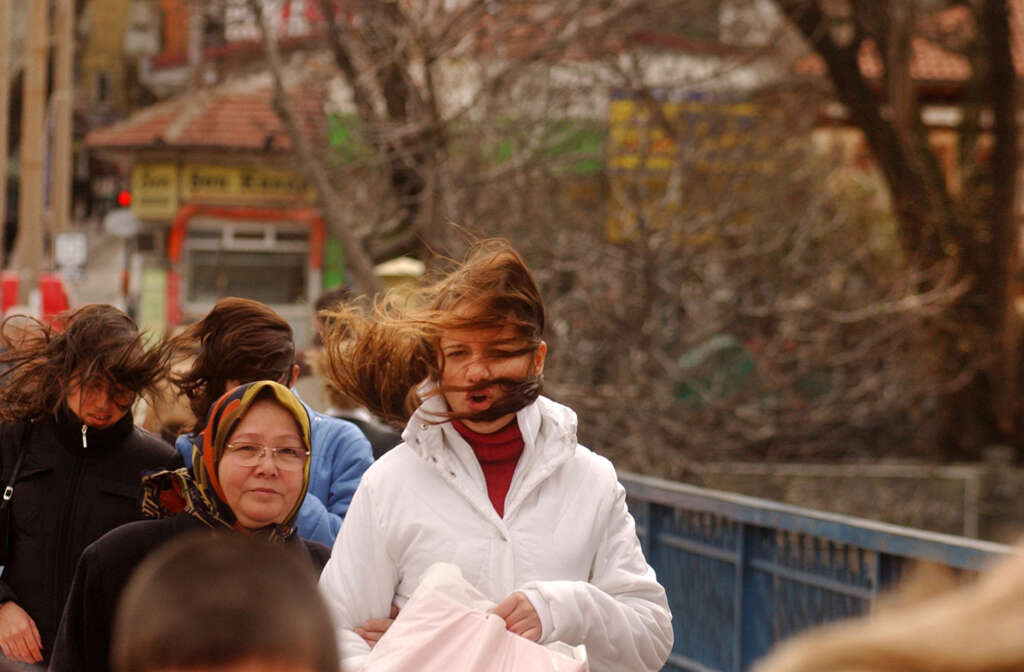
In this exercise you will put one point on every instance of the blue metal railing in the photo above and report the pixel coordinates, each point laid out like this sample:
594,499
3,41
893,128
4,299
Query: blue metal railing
743,573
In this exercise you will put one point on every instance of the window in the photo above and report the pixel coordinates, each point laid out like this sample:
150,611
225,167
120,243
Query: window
270,277
267,262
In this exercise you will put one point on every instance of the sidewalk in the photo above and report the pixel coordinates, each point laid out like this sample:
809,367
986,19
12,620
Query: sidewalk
101,280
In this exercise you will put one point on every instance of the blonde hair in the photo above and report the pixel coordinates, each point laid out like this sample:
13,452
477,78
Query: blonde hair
379,355
974,628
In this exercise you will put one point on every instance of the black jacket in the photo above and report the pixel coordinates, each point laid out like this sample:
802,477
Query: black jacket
83,642
67,496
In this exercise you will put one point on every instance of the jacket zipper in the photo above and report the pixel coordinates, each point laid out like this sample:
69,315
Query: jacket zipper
85,444
64,532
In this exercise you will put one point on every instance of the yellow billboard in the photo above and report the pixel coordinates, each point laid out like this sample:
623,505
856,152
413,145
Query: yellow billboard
672,157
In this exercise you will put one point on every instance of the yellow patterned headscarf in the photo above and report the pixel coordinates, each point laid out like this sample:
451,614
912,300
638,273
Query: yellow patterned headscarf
224,415
200,493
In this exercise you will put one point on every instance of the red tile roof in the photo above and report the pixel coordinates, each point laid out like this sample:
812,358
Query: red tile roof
932,62
233,116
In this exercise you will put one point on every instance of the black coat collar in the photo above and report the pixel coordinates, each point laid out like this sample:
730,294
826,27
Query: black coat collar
69,432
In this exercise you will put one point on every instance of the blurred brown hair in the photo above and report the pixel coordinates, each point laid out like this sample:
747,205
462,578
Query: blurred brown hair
379,356
94,342
208,599
239,339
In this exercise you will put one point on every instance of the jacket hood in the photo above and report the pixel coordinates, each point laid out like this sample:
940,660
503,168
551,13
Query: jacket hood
548,429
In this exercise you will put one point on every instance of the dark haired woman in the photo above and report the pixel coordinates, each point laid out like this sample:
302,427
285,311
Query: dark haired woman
490,477
65,400
250,475
240,341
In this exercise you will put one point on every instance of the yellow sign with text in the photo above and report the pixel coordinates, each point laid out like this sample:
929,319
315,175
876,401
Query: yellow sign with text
243,185
659,151
154,190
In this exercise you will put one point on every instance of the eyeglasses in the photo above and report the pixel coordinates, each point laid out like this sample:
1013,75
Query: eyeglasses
249,454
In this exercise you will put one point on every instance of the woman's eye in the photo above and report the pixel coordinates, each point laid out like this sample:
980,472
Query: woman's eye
247,449
505,354
291,452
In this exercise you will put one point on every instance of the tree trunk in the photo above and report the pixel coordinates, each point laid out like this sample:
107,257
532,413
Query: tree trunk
330,204
998,270
979,233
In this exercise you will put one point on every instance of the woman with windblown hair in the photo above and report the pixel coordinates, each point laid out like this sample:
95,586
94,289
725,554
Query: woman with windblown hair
250,475
489,477
240,341
69,443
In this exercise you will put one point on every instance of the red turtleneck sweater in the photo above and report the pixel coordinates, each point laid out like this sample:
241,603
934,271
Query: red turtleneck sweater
498,454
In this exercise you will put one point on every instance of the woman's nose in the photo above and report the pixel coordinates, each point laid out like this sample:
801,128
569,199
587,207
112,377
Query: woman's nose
103,399
267,463
477,370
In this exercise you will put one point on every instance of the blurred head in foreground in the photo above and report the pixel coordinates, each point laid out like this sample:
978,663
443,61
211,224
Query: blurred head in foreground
224,603
973,628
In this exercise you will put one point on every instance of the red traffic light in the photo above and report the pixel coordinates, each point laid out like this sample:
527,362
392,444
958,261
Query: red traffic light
124,198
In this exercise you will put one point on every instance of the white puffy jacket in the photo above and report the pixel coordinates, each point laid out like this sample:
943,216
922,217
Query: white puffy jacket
566,540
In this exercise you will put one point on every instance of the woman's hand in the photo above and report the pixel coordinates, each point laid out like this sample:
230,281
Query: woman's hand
520,616
19,637
375,628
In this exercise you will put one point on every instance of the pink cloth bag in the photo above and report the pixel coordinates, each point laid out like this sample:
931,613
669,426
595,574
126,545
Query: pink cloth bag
445,627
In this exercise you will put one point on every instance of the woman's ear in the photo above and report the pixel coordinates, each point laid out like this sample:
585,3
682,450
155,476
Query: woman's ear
295,375
538,358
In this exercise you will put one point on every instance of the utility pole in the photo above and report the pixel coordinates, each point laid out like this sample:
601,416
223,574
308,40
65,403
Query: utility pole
30,201
63,99
5,102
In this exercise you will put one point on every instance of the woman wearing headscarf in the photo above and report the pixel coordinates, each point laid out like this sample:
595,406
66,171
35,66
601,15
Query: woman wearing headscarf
240,341
71,458
250,475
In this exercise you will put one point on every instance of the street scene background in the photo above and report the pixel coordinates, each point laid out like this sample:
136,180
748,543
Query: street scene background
779,241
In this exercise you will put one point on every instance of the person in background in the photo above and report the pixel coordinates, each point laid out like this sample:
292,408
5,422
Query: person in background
490,476
248,607
382,438
70,455
249,477
166,412
240,341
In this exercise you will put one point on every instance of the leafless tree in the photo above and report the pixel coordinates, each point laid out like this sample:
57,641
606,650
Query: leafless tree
762,312
968,222
719,288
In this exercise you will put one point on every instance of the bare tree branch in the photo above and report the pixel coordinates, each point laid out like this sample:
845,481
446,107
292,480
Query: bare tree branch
362,268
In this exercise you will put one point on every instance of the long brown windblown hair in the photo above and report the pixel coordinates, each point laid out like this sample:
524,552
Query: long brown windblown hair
379,356
96,341
239,339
